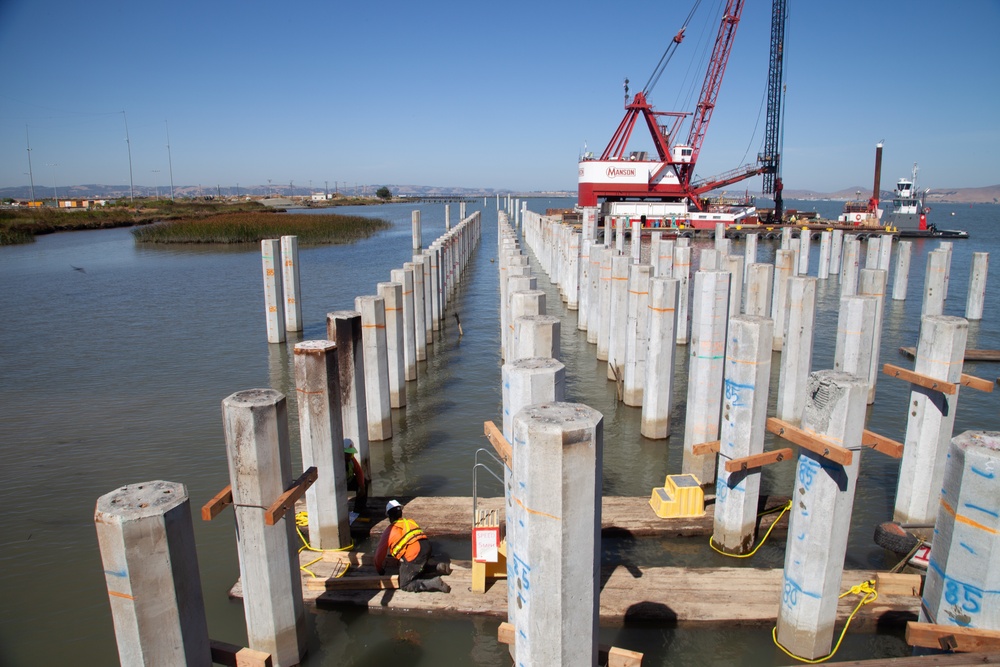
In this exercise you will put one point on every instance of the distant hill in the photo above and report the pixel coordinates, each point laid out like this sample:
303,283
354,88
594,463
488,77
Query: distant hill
987,195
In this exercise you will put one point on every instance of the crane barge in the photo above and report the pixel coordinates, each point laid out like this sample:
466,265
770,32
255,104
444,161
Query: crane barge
661,188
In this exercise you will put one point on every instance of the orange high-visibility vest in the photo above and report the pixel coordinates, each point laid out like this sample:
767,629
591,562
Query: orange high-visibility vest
403,539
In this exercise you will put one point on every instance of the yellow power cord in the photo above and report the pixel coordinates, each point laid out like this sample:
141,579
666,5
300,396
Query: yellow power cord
301,521
870,595
783,509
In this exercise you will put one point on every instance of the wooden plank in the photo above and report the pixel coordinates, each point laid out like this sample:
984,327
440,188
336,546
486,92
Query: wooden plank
811,441
973,382
882,444
354,583
952,637
499,443
970,355
286,501
891,583
612,656
939,660
211,509
232,655
704,448
919,379
758,460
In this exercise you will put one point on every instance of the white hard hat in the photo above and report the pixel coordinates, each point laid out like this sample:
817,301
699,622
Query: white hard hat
389,505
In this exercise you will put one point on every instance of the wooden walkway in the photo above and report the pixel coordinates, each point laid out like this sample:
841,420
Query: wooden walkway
666,595
624,516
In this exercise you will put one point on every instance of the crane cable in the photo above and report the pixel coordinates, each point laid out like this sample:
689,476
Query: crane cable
668,53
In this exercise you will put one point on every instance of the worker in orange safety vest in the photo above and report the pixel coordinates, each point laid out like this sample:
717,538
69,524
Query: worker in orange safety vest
406,542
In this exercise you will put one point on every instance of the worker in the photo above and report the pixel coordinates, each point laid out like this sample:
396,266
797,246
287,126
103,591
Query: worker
404,541
355,478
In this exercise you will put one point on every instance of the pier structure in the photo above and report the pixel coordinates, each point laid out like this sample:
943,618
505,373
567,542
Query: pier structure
976,299
290,282
873,283
423,263
850,266
420,328
757,301
784,268
741,435
901,279
947,247
836,251
374,349
617,316
416,232
734,264
636,333
682,271
604,304
404,277
855,330
317,383
930,419
536,336
824,500
524,303
796,355
583,285
803,258
962,588
344,328
147,547
825,240
257,448
935,290
274,303
873,249
392,295
885,252
749,253
657,394
706,356
518,281
557,453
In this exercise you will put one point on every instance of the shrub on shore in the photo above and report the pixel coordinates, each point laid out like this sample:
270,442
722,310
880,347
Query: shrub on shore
252,227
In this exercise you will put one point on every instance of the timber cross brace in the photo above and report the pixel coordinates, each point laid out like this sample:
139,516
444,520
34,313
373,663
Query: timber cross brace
285,502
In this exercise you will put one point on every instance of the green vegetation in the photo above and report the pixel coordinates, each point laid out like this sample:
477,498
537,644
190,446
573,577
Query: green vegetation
21,225
252,227
384,193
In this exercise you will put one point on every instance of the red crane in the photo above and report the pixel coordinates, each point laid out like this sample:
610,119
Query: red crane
621,176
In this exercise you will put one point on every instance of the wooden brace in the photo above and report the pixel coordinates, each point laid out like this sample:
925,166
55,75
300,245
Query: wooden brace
758,460
813,442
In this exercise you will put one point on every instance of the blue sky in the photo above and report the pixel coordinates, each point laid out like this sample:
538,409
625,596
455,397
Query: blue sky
491,95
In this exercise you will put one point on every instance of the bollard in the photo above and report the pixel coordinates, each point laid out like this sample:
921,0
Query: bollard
747,380
274,306
657,399
290,282
554,564
930,419
392,294
977,286
709,316
636,334
963,579
147,545
784,268
901,280
796,354
317,384
820,519
374,349
256,427
536,336
405,278
344,328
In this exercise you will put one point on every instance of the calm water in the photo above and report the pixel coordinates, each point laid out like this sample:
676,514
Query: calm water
116,375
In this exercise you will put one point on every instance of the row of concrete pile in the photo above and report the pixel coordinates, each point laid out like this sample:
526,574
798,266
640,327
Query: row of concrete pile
346,386
741,311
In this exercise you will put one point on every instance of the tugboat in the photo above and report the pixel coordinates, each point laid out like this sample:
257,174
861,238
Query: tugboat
908,211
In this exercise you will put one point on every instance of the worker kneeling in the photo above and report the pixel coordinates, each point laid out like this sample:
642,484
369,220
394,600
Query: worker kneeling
404,541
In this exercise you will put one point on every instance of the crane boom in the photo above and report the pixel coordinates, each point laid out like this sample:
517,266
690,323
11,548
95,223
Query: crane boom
770,159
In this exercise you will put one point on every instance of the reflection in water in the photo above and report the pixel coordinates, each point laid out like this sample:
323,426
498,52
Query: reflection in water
116,376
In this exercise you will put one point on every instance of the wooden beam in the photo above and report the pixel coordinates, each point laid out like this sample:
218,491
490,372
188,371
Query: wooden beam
612,656
952,637
286,501
882,444
891,583
972,382
704,448
499,443
238,656
970,354
355,583
811,441
919,379
211,509
758,460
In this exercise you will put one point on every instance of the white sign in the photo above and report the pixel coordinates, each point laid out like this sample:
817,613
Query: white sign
486,544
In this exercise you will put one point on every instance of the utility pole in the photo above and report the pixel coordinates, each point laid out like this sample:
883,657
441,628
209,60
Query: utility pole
128,144
170,164
31,176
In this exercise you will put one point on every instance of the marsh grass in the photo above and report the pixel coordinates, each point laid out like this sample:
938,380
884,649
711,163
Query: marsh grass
252,227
